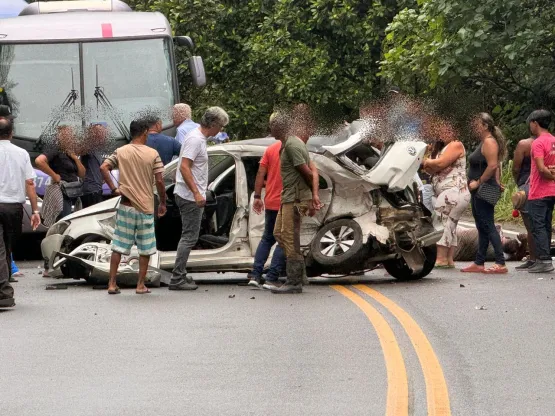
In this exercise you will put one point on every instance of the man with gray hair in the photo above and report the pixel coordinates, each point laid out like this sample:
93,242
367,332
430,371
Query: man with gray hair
190,190
182,120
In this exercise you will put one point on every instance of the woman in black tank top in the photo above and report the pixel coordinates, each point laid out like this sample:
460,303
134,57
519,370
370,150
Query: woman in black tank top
522,164
484,168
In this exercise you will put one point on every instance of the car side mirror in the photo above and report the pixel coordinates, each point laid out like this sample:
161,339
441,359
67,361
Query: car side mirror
185,41
196,67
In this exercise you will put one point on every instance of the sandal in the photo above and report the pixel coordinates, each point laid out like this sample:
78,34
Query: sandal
444,266
473,268
496,269
115,291
143,292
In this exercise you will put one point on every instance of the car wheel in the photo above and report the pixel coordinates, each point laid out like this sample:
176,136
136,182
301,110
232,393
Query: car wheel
337,242
399,270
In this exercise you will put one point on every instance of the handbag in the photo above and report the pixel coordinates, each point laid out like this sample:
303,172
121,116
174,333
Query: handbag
489,193
72,190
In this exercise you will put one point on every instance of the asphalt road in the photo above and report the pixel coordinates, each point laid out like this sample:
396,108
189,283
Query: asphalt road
361,347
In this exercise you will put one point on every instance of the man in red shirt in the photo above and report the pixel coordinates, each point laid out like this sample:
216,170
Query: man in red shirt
541,197
270,170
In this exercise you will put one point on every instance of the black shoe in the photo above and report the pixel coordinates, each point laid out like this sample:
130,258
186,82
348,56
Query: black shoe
526,265
541,268
255,281
183,285
288,288
7,303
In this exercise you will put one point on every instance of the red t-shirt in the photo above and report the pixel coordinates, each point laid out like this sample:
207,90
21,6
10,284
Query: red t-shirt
544,147
270,160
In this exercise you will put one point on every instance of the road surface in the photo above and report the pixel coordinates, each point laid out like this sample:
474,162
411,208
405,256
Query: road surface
449,344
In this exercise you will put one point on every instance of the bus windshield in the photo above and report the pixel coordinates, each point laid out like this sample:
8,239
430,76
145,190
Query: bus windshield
133,76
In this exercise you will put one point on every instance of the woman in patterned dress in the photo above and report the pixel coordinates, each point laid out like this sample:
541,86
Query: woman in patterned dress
447,166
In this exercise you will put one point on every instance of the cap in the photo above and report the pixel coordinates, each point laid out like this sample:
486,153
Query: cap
6,112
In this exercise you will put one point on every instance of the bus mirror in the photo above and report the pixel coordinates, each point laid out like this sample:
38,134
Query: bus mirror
196,67
185,41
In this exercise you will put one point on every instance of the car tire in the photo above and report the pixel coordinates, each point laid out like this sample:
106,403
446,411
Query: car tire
337,242
399,270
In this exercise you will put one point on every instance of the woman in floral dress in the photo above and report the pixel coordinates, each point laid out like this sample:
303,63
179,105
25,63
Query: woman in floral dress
447,166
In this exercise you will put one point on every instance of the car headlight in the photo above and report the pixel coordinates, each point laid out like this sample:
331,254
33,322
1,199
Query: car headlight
58,228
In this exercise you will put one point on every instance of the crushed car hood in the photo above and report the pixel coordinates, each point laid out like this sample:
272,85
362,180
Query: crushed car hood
108,205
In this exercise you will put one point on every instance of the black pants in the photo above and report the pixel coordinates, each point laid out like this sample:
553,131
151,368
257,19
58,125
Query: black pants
11,216
485,223
541,214
91,199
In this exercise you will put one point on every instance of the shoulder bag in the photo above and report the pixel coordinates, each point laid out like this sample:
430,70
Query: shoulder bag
72,190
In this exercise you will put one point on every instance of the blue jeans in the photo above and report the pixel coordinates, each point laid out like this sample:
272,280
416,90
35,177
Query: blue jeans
482,212
14,267
541,214
263,251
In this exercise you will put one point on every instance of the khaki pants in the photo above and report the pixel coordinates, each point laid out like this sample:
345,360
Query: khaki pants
287,233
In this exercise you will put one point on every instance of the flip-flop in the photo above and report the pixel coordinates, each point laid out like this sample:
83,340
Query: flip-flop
497,269
115,291
443,266
143,292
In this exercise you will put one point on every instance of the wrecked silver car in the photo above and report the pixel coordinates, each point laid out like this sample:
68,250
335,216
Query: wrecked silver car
371,216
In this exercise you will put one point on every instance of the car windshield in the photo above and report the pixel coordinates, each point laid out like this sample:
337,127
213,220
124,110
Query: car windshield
133,76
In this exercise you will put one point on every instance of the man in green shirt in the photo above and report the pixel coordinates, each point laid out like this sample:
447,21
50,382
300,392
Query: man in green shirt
299,198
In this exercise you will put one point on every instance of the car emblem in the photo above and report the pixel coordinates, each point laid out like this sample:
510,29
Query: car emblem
411,150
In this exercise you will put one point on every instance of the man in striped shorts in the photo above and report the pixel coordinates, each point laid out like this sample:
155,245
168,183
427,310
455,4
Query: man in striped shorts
139,165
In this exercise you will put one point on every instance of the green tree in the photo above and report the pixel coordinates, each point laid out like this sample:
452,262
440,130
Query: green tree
501,50
263,53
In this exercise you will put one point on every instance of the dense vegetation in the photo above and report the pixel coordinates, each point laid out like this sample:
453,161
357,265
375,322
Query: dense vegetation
492,55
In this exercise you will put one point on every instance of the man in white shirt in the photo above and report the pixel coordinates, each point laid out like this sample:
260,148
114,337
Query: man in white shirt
182,120
190,190
17,182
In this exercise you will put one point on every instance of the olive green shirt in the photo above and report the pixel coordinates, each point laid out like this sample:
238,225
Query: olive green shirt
294,153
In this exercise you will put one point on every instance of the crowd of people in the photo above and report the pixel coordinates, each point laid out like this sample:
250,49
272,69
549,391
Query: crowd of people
454,188
286,189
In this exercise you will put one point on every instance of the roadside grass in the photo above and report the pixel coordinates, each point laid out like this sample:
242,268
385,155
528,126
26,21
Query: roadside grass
504,208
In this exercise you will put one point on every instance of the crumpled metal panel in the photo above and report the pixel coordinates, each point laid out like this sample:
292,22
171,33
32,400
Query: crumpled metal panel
95,258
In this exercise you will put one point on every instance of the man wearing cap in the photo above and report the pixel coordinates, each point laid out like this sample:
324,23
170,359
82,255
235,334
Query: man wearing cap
17,182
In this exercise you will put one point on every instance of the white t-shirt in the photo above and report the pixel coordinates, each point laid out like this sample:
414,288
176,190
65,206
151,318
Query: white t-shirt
193,148
15,169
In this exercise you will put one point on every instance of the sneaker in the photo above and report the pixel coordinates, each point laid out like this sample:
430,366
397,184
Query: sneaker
526,265
7,303
183,285
288,288
272,284
541,268
256,281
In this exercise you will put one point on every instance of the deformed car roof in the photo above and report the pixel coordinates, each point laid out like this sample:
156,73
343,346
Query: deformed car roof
315,143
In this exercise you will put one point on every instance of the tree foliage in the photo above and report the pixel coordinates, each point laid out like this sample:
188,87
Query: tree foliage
262,53
501,49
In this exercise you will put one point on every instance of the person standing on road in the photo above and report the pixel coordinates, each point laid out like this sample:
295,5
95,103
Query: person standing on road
270,170
299,198
139,165
447,168
541,198
190,191
18,182
166,146
182,120
484,171
62,164
97,135
522,165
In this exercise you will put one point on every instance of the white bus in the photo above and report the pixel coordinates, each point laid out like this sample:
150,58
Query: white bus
97,59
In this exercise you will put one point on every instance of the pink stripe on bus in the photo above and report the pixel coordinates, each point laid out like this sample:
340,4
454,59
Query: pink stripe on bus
107,30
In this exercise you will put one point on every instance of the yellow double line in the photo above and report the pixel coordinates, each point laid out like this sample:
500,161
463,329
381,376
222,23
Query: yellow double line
397,386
